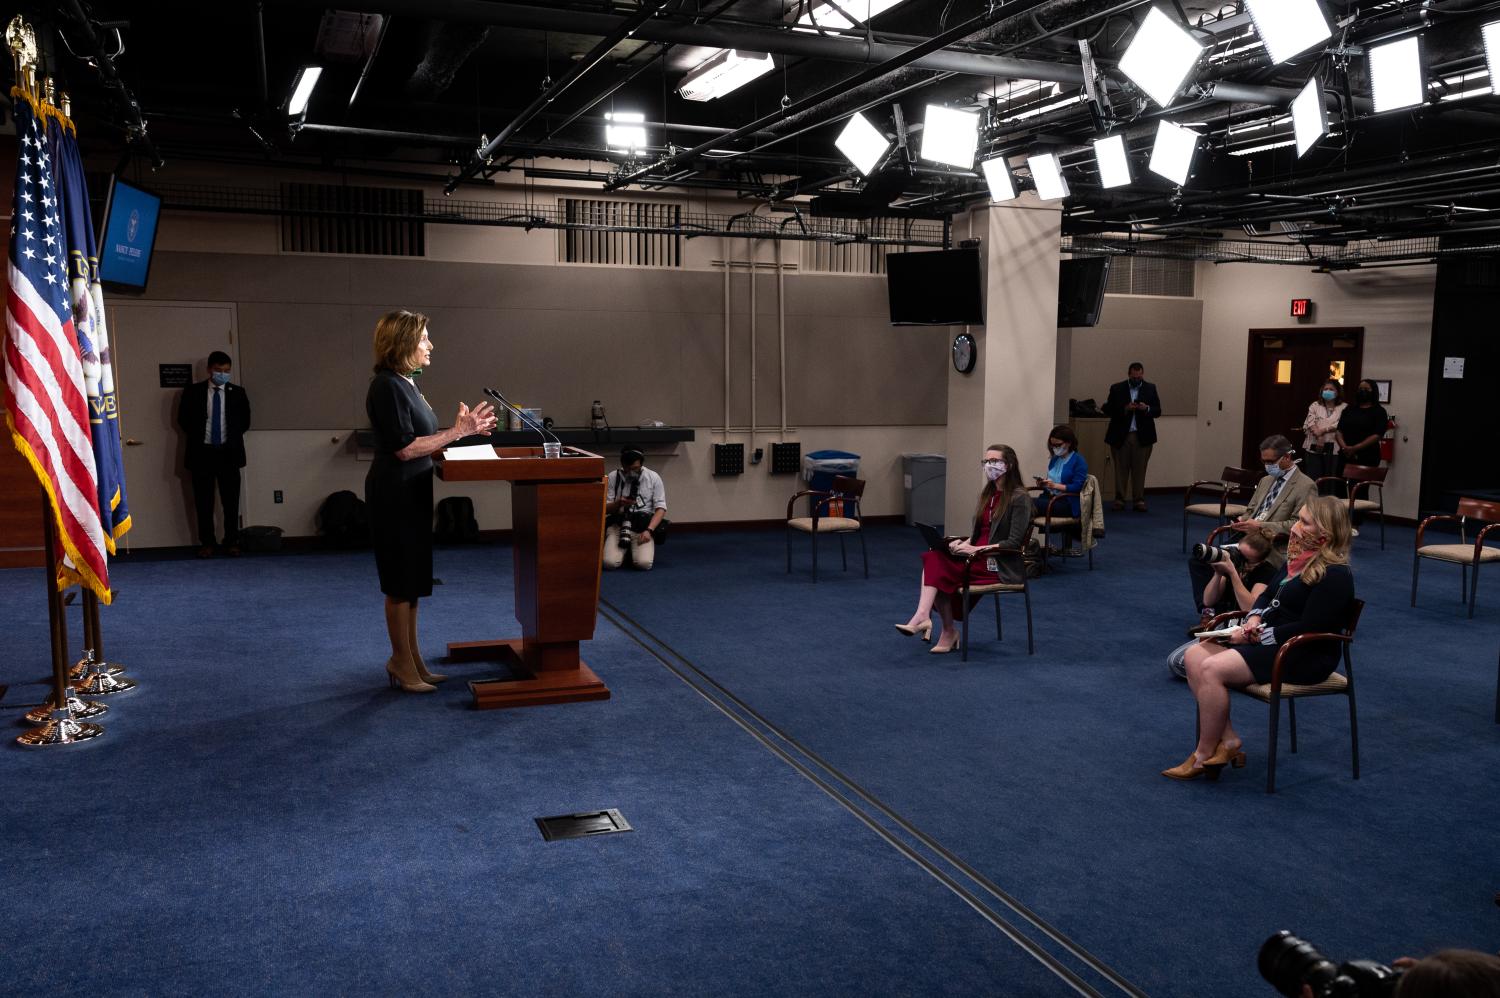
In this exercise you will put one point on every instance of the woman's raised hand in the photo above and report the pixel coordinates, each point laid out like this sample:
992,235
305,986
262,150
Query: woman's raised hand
480,419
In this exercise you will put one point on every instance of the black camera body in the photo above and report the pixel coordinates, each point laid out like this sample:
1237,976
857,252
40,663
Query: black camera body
1209,554
1288,963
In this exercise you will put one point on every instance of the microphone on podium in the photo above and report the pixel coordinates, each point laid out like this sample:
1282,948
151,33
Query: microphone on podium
552,448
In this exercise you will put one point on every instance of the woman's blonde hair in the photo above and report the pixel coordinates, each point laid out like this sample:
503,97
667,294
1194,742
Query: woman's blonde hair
1331,514
396,337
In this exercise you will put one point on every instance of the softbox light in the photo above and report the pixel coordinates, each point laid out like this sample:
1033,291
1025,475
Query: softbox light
1046,173
1172,153
1396,79
1288,27
862,144
950,136
1309,115
1160,57
1114,162
997,176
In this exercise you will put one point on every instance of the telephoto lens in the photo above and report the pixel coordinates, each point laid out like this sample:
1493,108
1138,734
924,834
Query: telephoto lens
626,533
1209,554
1288,963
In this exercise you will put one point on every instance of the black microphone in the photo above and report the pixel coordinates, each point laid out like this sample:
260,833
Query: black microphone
525,419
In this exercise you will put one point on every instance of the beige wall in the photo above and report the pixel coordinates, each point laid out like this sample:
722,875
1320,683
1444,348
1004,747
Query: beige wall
1394,306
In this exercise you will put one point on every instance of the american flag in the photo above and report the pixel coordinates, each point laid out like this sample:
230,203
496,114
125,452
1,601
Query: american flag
47,408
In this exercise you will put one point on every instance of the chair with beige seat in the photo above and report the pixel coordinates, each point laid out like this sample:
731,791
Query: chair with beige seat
1359,478
1086,528
831,511
1233,483
1468,557
1015,560
1272,693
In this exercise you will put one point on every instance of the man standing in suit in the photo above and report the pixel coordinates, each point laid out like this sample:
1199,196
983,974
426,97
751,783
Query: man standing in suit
1275,504
214,416
1132,408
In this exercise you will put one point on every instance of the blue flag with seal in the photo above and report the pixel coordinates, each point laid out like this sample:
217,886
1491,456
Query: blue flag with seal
87,297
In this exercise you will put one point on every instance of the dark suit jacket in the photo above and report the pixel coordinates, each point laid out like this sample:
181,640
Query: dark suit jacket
1319,608
1119,416
192,416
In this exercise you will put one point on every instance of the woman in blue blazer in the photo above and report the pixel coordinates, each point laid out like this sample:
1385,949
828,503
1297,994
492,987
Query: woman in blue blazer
1066,470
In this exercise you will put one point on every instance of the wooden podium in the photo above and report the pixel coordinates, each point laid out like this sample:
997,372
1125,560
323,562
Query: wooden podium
558,528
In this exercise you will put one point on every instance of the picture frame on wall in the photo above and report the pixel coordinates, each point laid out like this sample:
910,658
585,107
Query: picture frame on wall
1382,390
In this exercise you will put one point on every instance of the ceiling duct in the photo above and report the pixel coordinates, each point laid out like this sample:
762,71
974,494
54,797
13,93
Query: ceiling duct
346,36
448,48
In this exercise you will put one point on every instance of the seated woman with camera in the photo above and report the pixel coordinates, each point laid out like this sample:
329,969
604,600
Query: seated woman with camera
635,513
1312,595
1239,574
1000,520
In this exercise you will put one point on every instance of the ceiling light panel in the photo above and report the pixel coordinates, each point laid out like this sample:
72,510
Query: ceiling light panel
307,78
950,136
1160,57
1396,75
625,131
723,72
1046,173
1114,162
823,15
997,176
1172,152
1309,115
862,144
1289,27
1491,34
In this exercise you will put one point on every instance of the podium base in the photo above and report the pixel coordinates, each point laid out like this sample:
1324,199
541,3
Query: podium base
534,689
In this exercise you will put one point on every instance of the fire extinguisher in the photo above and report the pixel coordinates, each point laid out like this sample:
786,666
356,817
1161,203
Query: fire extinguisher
1388,442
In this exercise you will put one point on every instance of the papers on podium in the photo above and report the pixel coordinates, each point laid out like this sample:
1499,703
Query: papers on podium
474,452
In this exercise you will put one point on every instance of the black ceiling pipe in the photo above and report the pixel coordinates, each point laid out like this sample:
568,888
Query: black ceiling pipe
625,29
103,61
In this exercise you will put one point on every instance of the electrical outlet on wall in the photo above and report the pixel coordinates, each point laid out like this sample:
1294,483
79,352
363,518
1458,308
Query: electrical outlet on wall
276,496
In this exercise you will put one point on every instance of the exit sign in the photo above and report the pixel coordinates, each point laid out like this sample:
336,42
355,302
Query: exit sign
1301,308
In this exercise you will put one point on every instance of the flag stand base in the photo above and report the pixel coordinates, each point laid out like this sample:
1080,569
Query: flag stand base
60,729
78,708
98,683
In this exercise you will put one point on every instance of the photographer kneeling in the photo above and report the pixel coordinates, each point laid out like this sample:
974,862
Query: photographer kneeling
1239,574
635,511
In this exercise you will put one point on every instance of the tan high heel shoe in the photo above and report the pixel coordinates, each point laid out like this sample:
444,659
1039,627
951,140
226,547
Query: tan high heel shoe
407,683
424,675
1191,769
939,650
924,629
1224,756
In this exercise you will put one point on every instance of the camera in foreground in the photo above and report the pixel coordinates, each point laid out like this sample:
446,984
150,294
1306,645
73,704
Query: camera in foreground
1209,555
627,533
1288,963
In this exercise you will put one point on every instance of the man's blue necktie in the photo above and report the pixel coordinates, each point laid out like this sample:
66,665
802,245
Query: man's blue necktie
214,437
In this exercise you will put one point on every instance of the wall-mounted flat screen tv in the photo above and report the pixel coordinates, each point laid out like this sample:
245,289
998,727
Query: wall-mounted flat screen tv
1080,290
936,288
130,217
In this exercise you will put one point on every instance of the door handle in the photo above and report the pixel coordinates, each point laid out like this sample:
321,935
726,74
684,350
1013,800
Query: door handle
132,442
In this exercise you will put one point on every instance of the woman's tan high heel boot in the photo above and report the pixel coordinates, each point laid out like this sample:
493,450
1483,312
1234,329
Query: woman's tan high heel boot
407,679
423,674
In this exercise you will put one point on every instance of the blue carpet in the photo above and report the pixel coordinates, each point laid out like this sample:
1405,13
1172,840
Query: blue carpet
264,816
1043,771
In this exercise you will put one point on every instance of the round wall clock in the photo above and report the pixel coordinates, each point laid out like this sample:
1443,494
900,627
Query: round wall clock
965,353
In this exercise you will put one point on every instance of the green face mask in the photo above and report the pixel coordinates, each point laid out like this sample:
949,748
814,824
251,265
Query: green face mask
416,372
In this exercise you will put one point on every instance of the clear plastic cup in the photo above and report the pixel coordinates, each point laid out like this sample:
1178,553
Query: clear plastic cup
551,449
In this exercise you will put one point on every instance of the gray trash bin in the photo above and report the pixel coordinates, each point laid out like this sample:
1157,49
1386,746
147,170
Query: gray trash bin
924,482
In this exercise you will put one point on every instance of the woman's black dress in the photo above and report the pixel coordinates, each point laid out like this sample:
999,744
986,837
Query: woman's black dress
1356,424
1317,609
398,493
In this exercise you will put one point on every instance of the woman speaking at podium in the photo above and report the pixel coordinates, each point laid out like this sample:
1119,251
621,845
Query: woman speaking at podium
398,487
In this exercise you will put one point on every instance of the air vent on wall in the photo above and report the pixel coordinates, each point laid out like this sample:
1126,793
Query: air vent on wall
338,218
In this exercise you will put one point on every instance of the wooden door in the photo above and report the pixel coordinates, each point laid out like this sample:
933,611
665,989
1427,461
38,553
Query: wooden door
145,336
1284,372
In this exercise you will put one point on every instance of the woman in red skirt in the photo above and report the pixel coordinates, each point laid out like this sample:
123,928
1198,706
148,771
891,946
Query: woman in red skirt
1001,517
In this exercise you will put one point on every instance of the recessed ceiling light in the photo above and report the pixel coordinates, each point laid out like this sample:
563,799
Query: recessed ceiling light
1160,57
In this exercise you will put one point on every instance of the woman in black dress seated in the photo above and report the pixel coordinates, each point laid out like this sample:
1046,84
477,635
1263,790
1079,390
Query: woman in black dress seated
1000,518
398,487
1312,596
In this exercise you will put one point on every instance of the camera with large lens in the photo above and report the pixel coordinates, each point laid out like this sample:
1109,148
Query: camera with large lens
1209,554
627,533
1288,963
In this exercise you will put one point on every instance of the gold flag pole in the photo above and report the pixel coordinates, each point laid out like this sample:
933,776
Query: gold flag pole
21,39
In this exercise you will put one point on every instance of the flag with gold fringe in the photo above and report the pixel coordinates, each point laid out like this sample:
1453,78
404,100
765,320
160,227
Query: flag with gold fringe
87,297
47,409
